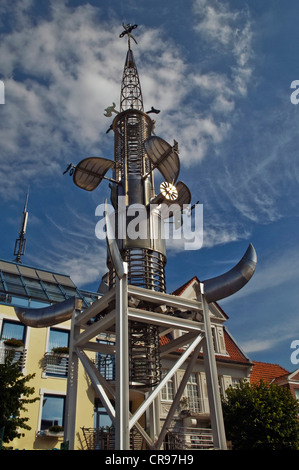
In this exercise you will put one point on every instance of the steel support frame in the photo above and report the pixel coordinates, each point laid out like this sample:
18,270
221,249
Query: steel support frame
210,366
195,334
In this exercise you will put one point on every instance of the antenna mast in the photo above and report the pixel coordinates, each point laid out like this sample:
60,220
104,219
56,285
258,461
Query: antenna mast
20,243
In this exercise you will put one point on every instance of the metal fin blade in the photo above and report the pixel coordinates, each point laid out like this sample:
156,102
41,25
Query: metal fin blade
90,172
163,157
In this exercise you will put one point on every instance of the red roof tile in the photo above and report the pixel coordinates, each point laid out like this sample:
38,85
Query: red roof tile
266,371
235,354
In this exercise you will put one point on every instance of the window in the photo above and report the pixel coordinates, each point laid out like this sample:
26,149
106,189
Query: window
192,394
235,382
167,393
52,411
215,339
56,362
101,417
58,338
12,329
297,393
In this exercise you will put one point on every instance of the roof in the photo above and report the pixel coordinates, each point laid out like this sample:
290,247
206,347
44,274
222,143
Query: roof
266,371
28,286
180,290
234,352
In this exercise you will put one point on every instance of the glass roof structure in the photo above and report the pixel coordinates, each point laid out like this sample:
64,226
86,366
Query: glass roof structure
28,286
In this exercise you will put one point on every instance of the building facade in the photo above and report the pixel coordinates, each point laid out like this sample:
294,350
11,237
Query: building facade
42,351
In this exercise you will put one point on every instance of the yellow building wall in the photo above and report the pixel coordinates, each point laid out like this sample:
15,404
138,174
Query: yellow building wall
36,346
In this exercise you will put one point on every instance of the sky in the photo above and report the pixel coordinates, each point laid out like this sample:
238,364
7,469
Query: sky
221,74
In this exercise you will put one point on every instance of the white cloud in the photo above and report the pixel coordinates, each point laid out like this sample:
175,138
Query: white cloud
216,21
230,32
270,338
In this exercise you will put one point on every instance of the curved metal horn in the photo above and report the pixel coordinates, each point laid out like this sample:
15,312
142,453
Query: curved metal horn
230,282
46,316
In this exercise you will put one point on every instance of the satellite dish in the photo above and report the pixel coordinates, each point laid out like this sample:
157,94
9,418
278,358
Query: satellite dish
89,172
164,157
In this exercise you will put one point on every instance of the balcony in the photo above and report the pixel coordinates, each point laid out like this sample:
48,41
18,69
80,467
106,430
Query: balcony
184,438
103,438
55,364
16,351
179,438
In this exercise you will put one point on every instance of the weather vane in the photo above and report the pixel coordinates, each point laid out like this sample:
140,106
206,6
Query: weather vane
128,30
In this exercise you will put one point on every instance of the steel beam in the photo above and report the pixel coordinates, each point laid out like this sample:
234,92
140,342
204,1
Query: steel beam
144,316
160,298
72,386
178,395
97,307
99,326
97,382
143,407
177,343
122,430
210,366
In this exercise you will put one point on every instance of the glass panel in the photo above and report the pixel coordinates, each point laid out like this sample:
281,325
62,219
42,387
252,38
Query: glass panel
101,417
193,394
58,338
70,292
53,411
1,286
53,291
20,301
34,288
167,392
14,284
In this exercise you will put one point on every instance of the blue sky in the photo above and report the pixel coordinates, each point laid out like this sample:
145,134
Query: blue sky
221,74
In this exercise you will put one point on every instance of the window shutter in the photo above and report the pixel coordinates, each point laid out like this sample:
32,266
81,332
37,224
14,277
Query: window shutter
204,392
221,340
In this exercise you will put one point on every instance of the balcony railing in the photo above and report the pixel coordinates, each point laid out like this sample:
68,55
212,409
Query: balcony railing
103,438
105,363
17,355
176,439
184,438
55,364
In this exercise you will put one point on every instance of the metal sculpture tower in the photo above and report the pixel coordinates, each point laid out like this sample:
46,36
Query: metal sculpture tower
136,309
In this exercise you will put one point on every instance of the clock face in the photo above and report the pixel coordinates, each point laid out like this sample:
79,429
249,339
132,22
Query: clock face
169,191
